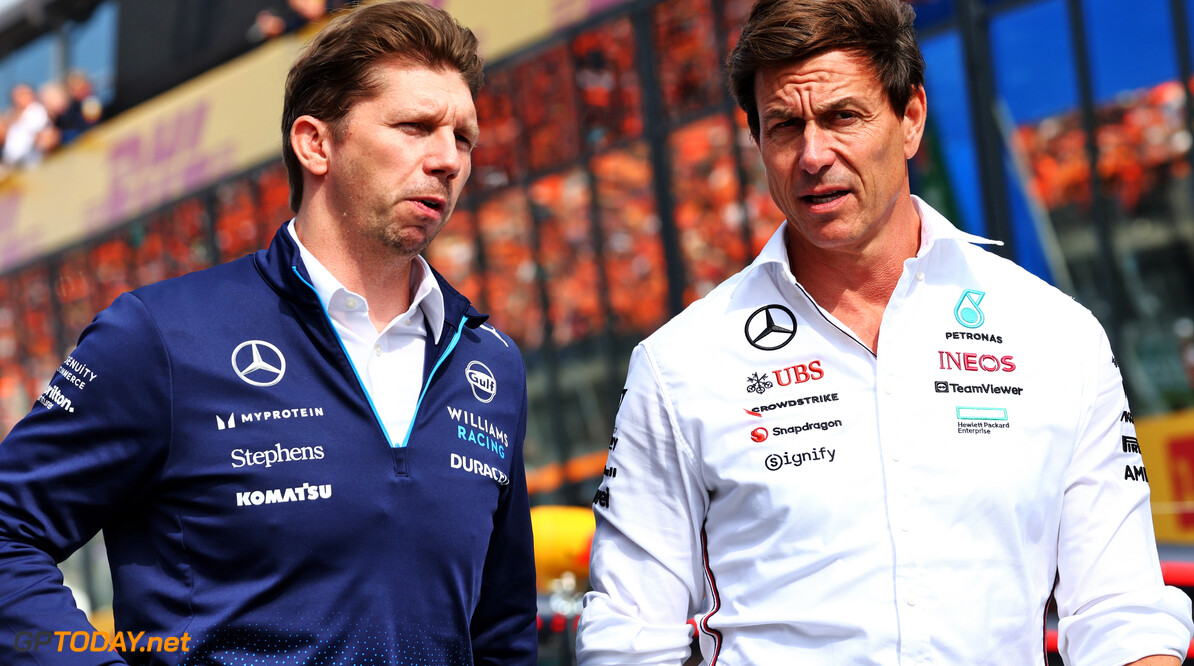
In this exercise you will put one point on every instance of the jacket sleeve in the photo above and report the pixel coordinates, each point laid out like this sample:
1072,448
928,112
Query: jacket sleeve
504,630
90,446
1112,603
646,563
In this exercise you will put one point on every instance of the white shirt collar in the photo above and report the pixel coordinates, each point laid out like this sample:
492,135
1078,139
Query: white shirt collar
933,228
428,297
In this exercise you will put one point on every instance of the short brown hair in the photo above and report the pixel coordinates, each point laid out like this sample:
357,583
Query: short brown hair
783,32
337,68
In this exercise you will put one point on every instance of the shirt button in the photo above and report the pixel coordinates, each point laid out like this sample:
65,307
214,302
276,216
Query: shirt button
910,600
895,457
350,303
377,349
920,276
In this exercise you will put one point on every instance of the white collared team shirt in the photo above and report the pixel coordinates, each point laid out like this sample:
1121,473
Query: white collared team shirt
809,502
389,363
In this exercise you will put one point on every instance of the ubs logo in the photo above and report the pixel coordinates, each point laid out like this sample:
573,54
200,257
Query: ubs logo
481,379
258,362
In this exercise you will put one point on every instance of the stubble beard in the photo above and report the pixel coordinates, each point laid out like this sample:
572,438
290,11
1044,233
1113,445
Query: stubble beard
406,241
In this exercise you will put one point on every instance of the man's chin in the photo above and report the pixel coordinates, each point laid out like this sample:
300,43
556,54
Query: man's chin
409,242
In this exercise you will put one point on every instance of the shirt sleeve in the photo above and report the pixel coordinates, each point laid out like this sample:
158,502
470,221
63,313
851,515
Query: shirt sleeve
91,445
1113,605
504,629
646,562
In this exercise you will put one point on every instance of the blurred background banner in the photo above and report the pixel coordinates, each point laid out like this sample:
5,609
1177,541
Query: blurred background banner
218,124
1167,443
615,183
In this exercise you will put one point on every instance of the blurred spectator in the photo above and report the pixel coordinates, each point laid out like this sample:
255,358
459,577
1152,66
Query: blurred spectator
1183,329
84,110
271,23
54,98
26,119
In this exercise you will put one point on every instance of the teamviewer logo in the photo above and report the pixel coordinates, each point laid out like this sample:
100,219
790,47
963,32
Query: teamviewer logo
941,387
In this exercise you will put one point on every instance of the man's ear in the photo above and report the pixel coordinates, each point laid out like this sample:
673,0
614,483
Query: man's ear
914,122
310,138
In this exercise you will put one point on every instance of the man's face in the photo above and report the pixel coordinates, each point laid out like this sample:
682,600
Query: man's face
834,150
397,168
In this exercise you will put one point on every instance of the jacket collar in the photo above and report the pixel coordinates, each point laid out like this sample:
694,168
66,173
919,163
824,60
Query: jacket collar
282,267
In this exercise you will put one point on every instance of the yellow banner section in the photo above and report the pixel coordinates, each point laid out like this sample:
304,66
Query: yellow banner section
218,124
1167,444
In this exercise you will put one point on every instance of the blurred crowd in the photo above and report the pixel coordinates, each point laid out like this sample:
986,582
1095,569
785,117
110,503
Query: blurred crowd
40,121
1142,141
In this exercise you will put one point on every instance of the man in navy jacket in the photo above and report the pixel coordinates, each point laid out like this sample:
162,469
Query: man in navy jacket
310,455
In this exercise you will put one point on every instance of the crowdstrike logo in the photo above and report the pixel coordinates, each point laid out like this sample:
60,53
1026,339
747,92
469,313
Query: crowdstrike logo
258,362
482,381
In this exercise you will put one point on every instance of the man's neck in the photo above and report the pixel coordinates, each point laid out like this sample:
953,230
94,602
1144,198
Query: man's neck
855,284
363,266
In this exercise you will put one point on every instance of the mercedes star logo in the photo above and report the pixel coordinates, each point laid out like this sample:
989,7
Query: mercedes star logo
258,369
774,329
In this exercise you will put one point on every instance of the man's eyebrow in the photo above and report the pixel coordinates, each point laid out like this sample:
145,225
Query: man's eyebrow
839,104
776,113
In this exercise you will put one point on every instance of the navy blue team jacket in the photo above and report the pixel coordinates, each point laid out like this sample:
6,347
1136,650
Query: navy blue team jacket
214,428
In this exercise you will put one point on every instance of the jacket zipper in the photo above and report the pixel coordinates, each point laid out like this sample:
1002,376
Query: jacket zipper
368,398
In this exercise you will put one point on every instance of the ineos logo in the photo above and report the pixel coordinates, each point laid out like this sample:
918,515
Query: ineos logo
482,381
770,327
256,368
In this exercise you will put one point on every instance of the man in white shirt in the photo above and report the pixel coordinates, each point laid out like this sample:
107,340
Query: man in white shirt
861,449
28,119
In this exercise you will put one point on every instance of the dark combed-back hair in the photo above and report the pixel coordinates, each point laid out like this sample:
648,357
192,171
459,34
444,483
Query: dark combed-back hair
338,67
784,32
